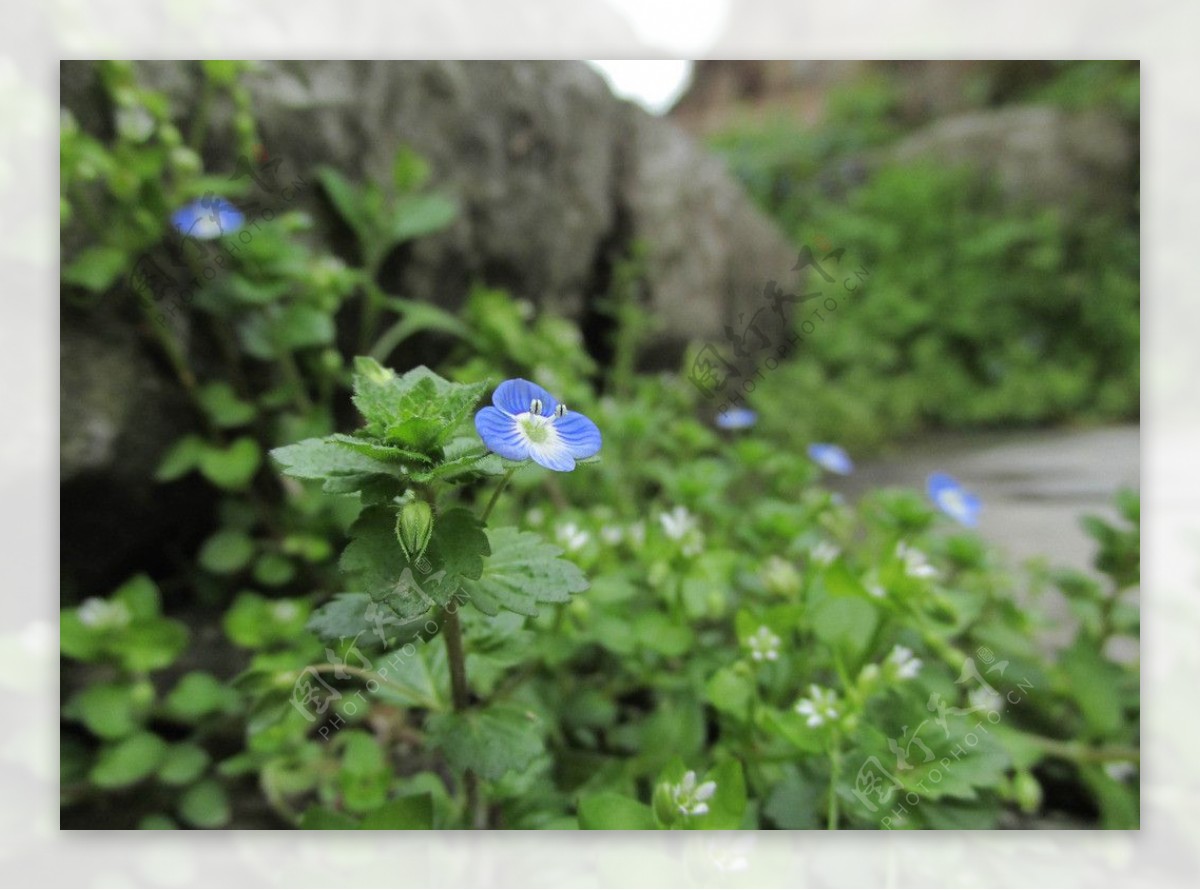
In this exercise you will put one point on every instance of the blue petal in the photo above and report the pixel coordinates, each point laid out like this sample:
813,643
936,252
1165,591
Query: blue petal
954,500
500,434
516,395
579,434
207,218
559,459
939,483
737,419
832,457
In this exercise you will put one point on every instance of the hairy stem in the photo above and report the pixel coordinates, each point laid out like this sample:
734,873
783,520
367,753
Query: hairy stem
487,511
460,694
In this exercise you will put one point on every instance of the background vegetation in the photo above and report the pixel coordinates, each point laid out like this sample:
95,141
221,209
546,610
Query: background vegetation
728,585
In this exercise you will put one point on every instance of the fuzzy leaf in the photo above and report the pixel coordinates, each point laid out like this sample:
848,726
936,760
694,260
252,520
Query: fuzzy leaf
375,558
491,742
522,571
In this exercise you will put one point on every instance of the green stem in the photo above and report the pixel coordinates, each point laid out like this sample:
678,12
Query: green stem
1078,752
835,773
487,511
460,694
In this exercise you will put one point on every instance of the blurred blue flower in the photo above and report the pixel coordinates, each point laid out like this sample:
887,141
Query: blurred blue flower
832,457
954,500
737,419
207,218
529,423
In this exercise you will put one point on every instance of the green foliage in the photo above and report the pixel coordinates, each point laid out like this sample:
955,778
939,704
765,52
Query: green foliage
567,655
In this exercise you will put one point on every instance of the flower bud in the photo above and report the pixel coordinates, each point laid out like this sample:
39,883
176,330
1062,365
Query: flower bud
414,528
1027,791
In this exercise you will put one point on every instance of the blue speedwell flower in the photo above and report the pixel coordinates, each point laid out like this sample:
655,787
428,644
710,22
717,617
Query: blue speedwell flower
737,419
832,457
207,218
954,500
527,422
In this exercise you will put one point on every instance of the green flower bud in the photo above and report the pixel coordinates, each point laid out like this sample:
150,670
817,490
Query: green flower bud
414,528
1027,791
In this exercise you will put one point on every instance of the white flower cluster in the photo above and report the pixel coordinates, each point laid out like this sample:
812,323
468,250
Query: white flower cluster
680,525
763,644
571,536
916,565
906,664
820,707
692,799
824,553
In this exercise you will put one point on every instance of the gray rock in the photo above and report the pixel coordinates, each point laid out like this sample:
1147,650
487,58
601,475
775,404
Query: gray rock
1076,162
557,179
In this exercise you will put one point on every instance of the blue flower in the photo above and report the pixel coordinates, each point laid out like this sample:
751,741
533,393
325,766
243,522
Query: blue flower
527,422
737,419
954,500
832,457
207,218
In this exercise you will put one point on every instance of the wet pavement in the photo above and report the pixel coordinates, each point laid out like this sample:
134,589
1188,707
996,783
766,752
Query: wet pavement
1034,486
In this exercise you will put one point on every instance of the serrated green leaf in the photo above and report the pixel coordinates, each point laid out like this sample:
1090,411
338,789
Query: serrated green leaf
523,571
344,469
388,454
356,615
376,560
419,411
491,742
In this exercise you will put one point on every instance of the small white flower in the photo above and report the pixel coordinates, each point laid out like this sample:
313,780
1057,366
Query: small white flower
871,583
763,644
985,698
100,613
135,123
637,533
285,610
678,523
612,534
780,577
916,565
692,799
820,706
824,553
535,516
572,537
907,665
